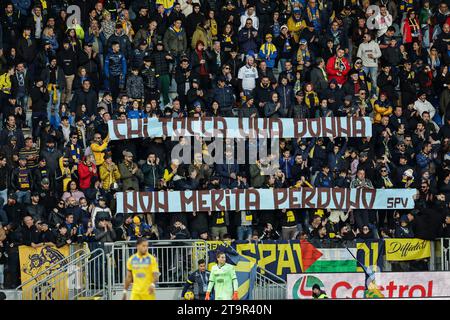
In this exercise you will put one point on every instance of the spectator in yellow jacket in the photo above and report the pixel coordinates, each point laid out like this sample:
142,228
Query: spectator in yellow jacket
382,107
296,24
109,172
98,148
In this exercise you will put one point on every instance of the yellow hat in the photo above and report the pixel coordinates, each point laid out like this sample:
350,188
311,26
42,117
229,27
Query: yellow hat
136,220
268,36
319,212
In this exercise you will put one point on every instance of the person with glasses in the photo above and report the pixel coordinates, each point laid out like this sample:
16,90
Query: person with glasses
99,148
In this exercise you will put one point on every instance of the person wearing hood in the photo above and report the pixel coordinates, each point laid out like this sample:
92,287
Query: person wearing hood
249,14
122,39
285,45
403,230
317,293
162,59
334,95
296,24
366,233
353,84
202,33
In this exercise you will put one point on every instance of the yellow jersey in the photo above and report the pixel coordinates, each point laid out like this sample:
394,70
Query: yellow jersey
142,268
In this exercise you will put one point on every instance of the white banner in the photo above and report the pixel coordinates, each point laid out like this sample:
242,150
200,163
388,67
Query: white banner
352,285
219,127
264,199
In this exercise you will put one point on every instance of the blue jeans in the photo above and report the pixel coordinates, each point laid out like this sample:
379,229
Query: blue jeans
4,195
23,196
244,232
51,105
373,71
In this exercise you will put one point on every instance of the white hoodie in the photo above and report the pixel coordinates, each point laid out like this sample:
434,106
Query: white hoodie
421,107
254,18
365,49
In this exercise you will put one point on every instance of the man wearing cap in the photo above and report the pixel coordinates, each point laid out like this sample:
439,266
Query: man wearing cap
284,43
268,52
141,51
122,39
224,95
248,109
130,172
296,24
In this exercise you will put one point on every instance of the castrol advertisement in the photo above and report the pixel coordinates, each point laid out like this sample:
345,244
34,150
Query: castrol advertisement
353,285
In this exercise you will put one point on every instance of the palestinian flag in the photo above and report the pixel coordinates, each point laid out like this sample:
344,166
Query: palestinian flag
334,260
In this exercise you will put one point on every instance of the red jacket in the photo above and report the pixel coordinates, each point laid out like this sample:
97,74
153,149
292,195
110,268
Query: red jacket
407,36
85,175
332,71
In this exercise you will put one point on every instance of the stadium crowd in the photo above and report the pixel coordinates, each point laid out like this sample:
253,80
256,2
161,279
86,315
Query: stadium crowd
64,77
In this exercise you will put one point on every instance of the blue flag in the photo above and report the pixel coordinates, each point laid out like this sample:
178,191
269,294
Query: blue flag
245,269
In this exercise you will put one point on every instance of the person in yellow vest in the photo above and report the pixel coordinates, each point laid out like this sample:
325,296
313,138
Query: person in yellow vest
98,148
317,293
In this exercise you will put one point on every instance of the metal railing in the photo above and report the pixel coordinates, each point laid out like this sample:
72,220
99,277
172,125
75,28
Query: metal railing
268,286
82,278
443,254
22,290
176,259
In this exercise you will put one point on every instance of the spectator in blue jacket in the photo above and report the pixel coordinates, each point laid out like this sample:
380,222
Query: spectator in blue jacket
324,179
268,52
115,70
227,170
224,95
247,38
286,163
